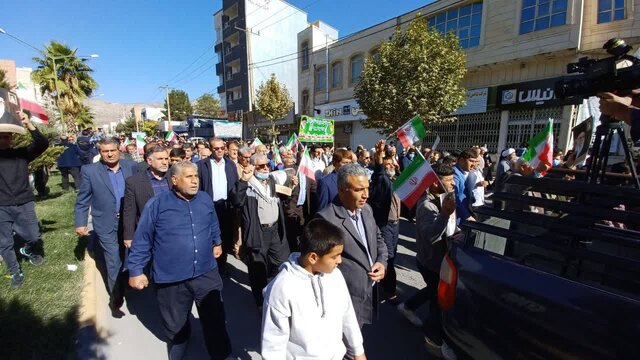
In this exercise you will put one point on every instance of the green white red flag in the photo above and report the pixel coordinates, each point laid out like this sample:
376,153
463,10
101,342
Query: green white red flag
255,143
277,159
292,143
305,165
414,181
541,147
411,132
171,136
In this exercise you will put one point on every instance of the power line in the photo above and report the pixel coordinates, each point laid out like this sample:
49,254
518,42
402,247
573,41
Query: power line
194,61
300,53
207,62
293,13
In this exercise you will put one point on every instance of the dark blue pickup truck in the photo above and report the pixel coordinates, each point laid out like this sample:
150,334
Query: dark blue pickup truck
559,283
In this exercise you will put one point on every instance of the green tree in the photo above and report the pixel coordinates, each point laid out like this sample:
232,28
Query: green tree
73,80
418,72
50,156
84,118
273,102
127,127
4,82
180,105
207,105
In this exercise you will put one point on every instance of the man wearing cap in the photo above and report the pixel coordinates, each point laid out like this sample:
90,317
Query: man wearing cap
504,165
17,203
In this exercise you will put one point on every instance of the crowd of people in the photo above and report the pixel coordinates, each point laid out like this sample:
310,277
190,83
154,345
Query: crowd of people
319,234
163,216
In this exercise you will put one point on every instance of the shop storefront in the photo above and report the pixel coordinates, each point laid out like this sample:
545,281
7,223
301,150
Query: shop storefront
349,130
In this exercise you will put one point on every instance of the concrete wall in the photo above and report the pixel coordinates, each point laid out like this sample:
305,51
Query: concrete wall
273,34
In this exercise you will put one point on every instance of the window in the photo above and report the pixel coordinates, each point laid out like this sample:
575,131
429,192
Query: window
305,55
375,53
336,75
321,78
305,102
610,10
464,21
542,14
355,69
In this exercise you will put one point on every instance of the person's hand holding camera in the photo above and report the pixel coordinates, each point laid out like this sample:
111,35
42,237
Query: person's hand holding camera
619,107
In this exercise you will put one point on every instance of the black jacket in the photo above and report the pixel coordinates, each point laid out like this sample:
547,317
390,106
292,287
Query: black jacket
204,172
251,230
14,170
381,192
137,191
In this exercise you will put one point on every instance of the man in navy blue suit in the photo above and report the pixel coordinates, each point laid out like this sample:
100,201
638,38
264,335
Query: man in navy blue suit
218,175
102,190
328,185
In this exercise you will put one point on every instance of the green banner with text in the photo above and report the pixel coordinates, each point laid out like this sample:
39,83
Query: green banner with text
313,129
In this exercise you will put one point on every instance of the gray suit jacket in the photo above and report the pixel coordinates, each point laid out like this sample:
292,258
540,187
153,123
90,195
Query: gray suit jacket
355,263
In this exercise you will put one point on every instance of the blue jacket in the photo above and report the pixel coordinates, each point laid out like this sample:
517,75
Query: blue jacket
96,192
70,157
463,205
327,191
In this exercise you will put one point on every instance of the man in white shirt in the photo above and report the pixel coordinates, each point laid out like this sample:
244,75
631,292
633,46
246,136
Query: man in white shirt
218,175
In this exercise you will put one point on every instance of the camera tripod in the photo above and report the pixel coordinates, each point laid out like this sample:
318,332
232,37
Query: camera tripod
604,134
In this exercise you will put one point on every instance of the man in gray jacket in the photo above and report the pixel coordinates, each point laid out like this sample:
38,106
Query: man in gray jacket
364,258
435,221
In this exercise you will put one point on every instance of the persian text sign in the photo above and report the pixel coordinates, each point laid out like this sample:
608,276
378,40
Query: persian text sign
313,129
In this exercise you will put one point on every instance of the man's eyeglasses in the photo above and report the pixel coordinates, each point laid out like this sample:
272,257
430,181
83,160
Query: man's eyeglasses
262,166
218,148
246,157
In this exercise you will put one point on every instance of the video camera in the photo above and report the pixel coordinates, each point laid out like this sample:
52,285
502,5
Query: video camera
620,72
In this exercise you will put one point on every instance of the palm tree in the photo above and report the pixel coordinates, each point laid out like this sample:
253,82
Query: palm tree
4,82
71,77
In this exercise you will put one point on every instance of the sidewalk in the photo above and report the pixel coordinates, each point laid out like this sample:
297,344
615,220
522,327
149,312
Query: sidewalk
138,334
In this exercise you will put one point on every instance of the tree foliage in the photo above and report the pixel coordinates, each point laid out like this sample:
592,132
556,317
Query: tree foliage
273,100
50,156
73,80
129,126
418,72
180,105
207,105
4,82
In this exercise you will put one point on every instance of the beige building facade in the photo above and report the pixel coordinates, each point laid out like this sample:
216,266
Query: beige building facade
516,51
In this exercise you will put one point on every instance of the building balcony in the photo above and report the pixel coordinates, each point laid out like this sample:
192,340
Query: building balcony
220,89
218,47
219,68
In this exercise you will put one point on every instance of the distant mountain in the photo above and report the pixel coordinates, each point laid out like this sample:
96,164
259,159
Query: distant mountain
107,112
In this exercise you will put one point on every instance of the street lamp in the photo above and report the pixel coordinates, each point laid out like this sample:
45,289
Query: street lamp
55,70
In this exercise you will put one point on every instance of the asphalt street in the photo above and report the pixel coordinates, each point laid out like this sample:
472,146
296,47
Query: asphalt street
138,334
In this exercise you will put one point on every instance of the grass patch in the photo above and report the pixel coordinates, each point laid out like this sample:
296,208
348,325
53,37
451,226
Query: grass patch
38,320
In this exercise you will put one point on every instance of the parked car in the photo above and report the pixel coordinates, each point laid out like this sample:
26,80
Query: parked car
562,283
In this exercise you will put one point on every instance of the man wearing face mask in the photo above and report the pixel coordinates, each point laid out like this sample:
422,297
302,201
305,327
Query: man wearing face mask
385,204
263,224
408,158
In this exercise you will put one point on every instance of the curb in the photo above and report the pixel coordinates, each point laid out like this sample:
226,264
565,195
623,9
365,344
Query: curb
88,305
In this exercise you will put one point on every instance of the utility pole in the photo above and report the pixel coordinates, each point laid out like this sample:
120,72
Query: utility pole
166,89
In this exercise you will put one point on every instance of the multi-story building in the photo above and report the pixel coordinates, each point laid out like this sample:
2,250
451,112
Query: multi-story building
516,51
259,32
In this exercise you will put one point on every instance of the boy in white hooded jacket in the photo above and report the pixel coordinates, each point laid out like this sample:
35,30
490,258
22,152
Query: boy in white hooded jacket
307,308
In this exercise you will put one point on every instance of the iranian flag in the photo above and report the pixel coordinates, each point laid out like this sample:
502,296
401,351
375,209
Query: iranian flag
171,136
255,143
305,166
140,143
414,180
277,160
292,143
38,114
411,132
541,147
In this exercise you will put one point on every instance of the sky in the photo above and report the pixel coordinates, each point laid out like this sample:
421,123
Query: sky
144,44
